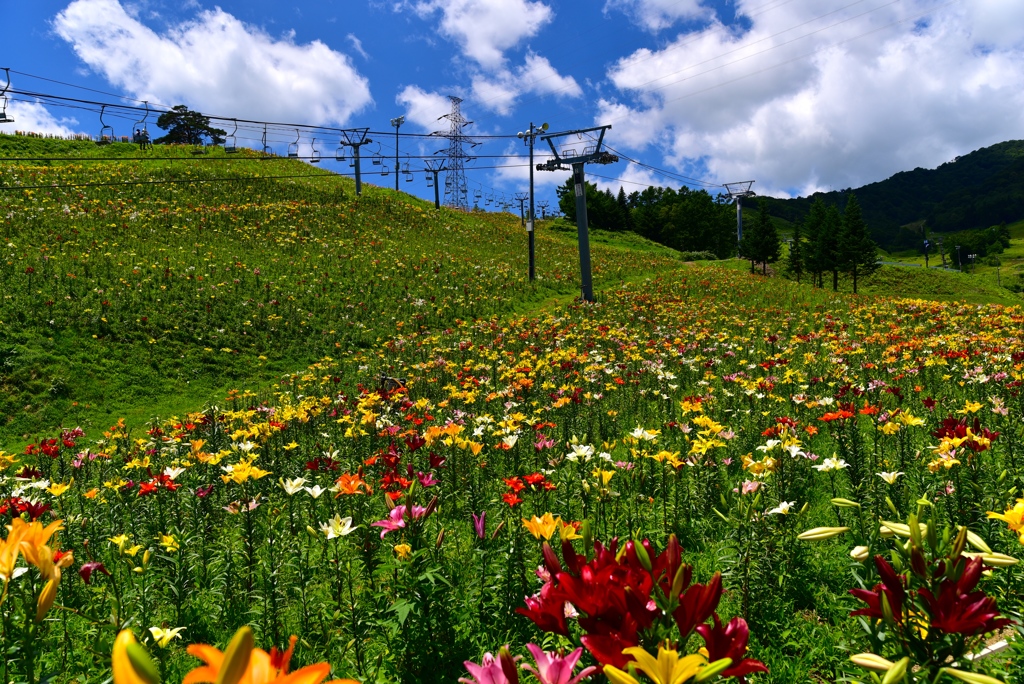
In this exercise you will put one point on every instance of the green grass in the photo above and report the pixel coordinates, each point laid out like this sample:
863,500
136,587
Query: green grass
144,300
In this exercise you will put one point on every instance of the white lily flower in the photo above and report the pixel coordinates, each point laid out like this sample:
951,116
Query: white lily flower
337,527
292,487
890,478
783,508
315,491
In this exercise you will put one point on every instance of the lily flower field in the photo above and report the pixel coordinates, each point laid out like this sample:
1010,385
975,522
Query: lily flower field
393,459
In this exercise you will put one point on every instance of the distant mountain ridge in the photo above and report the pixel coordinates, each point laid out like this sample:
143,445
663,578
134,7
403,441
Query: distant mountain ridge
977,190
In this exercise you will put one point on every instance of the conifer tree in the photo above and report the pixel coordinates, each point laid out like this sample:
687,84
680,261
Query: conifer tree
761,243
827,253
858,253
813,225
795,261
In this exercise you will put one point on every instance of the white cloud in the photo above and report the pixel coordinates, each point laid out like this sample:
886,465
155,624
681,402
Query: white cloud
216,64
33,117
498,91
655,15
424,108
840,101
486,28
357,45
514,170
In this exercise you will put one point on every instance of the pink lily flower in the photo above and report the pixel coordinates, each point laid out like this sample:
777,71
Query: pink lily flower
394,521
553,668
487,672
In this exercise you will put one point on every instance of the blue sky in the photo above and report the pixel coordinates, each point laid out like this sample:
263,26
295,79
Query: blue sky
799,95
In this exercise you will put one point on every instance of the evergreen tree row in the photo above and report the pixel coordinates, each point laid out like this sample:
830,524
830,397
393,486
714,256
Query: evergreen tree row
832,243
684,219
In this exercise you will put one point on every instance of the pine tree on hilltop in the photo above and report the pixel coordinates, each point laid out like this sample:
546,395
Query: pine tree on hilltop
185,127
858,253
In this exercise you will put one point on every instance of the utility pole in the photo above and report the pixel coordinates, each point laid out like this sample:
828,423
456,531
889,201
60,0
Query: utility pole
355,139
529,136
435,167
926,245
543,209
397,122
738,191
568,156
943,253
959,264
521,197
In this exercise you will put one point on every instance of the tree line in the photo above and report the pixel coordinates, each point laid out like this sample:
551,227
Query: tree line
684,219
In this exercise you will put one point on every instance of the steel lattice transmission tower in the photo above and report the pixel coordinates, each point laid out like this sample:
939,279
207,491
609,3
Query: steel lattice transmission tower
456,193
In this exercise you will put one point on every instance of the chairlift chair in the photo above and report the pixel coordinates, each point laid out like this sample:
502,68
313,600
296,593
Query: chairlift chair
231,144
384,170
141,135
314,156
378,158
106,132
339,154
4,116
430,180
293,148
407,172
266,148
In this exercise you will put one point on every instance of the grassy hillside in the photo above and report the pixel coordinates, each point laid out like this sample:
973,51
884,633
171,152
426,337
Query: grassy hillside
142,288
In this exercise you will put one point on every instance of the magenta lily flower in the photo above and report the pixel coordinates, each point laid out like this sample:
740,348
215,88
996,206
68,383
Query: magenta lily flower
487,672
553,668
394,521
427,480
480,524
396,518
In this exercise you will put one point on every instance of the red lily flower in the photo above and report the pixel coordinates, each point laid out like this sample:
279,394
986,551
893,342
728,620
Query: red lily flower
730,642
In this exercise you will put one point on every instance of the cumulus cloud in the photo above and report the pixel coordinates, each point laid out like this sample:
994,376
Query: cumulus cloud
35,118
423,108
848,96
215,63
486,28
498,91
655,15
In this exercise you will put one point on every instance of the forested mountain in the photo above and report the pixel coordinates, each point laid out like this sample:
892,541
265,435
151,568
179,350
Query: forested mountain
978,190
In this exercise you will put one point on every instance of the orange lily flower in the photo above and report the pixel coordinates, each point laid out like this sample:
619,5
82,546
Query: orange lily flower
241,663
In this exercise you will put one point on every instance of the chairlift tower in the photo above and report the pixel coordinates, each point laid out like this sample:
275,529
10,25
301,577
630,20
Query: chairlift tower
4,116
543,209
455,190
737,191
568,157
435,167
521,197
356,138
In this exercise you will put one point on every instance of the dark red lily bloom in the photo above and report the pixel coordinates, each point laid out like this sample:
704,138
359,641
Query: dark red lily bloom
546,610
959,610
88,568
891,587
730,642
697,604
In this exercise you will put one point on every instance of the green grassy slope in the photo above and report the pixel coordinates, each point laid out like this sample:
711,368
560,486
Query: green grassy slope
217,272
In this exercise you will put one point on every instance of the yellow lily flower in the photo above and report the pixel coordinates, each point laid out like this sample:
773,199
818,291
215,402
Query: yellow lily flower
59,488
163,637
541,527
668,668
